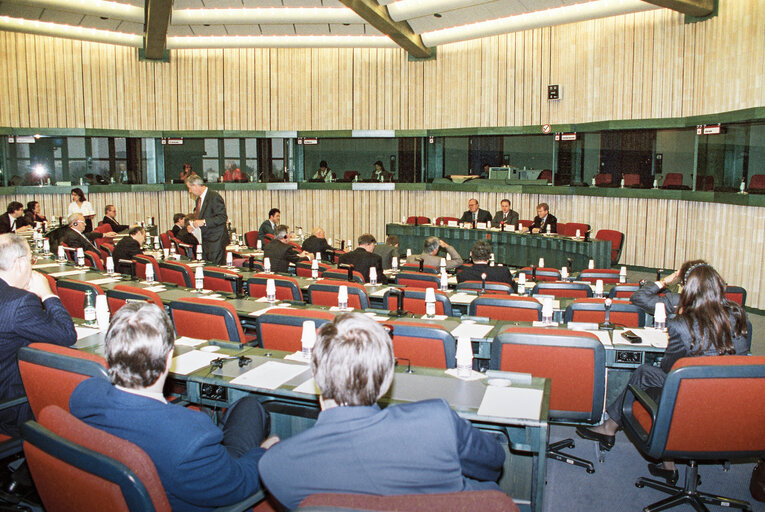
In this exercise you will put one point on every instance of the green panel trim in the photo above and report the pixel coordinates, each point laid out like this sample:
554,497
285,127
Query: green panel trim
142,56
696,19
411,133
324,186
433,53
326,134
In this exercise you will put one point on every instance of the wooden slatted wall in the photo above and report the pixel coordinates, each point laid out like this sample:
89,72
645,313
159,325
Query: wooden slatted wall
637,66
659,233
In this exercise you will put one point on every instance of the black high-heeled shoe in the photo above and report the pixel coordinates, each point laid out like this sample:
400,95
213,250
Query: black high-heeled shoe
659,471
606,442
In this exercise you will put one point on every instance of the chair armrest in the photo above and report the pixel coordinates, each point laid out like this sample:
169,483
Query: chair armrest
245,504
644,400
13,402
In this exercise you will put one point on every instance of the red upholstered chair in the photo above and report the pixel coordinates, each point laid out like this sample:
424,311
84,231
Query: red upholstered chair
545,175
631,180
424,344
728,426
485,501
93,260
575,363
607,275
52,283
542,273
164,239
504,307
705,183
349,175
736,294
525,224
418,280
562,289
176,272
121,293
757,184
251,239
623,290
324,293
616,238
286,287
604,179
282,328
105,247
418,220
103,228
303,268
339,274
141,261
415,267
673,180
623,313
202,318
72,295
51,372
220,279
267,238
490,286
70,252
569,228
414,301
443,221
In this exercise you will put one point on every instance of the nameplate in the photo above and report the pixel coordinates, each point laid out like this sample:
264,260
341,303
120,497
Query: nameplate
452,223
480,225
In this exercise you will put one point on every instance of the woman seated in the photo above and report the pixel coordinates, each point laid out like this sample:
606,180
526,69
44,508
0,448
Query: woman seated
705,324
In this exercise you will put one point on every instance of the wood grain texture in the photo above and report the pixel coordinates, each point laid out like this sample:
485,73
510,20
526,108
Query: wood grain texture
636,66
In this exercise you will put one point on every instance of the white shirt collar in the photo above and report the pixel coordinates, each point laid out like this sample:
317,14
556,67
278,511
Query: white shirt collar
202,197
142,392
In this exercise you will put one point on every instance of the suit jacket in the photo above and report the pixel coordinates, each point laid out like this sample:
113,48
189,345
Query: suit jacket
483,216
125,250
415,448
116,227
387,253
281,255
362,261
648,295
314,244
512,218
197,471
265,229
24,320
496,274
435,261
75,239
214,232
176,230
5,223
550,220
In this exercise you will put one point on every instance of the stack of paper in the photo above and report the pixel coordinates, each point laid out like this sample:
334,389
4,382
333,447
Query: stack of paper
270,375
511,402
472,330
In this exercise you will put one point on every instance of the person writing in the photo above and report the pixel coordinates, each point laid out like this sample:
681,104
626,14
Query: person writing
706,324
324,174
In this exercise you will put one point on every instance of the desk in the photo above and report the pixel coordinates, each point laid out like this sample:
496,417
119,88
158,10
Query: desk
511,248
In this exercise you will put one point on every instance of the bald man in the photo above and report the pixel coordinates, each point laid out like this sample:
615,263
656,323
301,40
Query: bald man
317,242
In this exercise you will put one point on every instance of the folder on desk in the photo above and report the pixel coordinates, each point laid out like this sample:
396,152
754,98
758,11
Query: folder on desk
270,375
511,402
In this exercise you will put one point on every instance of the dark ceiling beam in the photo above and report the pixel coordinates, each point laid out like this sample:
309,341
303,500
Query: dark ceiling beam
698,8
400,31
155,27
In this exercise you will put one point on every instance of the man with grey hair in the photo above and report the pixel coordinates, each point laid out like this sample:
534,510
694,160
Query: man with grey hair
357,447
211,217
75,236
317,242
29,313
281,253
430,257
201,466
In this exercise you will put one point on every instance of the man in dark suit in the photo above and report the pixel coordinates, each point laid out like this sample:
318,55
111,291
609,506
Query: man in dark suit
356,447
201,466
128,247
178,226
363,258
111,219
29,313
480,253
317,242
543,220
269,225
211,217
505,215
475,214
388,251
12,220
186,235
281,253
75,237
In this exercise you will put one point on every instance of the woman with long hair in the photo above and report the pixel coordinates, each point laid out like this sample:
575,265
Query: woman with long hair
705,324
81,205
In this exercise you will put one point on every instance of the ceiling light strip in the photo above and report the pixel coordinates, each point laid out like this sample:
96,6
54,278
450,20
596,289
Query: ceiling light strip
184,42
265,16
546,18
408,9
100,8
67,31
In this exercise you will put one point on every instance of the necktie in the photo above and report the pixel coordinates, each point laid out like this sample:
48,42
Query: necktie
196,208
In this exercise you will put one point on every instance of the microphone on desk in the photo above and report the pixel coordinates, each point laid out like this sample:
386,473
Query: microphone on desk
483,282
408,364
415,220
251,263
422,263
658,274
349,268
607,325
238,284
330,253
570,262
533,273
130,264
399,293
342,245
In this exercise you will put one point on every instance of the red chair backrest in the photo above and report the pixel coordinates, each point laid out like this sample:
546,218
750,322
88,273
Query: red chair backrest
342,275
303,269
117,300
418,219
325,293
141,260
251,239
486,501
416,304
545,175
504,307
418,280
213,323
569,229
757,183
94,260
542,273
177,273
673,179
215,281
52,283
604,178
442,221
72,295
563,289
284,290
164,239
607,275
631,180
525,223
616,238
630,318
276,332
422,344
104,228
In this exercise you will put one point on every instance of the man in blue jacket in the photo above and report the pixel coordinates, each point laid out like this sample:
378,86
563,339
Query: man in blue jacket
200,465
356,447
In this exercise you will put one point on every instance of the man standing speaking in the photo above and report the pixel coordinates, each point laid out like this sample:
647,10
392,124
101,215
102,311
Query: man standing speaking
210,217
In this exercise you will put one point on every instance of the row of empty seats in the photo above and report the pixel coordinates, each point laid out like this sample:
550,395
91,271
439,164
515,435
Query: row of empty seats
675,181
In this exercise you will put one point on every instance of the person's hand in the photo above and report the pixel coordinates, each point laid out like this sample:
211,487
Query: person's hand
535,230
268,443
198,223
306,254
38,285
23,228
443,244
668,280
110,234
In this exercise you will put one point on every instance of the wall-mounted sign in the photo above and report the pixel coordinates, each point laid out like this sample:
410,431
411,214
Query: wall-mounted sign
546,128
565,136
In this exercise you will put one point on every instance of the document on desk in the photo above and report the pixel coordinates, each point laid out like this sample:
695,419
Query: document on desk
185,341
270,375
379,294
66,273
259,312
191,361
155,289
105,280
462,298
84,332
472,330
603,336
649,335
308,387
46,265
511,402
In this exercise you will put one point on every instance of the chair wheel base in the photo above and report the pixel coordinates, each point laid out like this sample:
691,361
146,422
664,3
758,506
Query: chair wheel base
554,451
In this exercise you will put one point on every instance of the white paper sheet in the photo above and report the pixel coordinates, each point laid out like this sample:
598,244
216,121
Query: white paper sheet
84,332
269,375
472,330
376,317
189,342
434,317
462,298
474,375
603,336
46,265
264,310
298,357
650,336
66,273
196,264
156,289
309,387
191,361
511,402
105,280
379,293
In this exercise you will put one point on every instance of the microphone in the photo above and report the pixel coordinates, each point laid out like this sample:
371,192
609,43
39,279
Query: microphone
607,325
483,282
330,253
399,293
533,273
251,263
422,263
415,220
658,274
570,262
130,264
342,245
408,363
349,268
238,284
